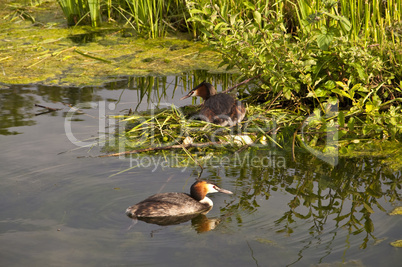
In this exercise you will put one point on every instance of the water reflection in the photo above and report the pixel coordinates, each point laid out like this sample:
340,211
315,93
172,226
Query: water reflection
200,222
344,197
16,108
17,101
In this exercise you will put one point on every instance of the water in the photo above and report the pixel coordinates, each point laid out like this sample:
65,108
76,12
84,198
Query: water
60,207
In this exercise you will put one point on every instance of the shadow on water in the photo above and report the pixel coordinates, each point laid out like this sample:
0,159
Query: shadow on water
200,222
98,35
89,37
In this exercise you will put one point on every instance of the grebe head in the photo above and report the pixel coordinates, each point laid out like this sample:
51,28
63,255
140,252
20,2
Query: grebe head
200,189
204,90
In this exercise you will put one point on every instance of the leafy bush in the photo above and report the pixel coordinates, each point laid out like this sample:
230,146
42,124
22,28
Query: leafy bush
324,62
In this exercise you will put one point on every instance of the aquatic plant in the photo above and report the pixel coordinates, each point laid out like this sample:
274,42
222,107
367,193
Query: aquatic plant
152,18
147,18
76,11
328,55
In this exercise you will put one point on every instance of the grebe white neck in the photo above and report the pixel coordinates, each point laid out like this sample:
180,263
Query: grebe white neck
207,200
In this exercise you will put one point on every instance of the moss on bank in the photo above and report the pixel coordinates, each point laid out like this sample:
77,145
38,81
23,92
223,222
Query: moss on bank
40,48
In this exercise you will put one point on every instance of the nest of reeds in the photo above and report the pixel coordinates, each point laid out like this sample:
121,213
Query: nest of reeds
161,130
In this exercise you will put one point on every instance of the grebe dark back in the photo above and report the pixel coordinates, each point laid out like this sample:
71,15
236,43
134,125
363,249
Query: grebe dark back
222,109
177,204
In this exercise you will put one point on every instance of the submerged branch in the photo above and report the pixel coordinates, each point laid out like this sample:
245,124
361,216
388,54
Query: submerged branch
48,108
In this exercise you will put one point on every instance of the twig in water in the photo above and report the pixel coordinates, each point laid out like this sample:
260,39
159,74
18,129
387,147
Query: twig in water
48,108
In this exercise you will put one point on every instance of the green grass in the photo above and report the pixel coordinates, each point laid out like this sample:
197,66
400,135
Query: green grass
375,20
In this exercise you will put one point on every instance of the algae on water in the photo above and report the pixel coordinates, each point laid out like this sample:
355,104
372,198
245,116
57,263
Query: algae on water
47,51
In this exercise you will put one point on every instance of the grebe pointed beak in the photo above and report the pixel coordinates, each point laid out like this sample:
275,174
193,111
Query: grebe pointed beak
191,93
213,188
221,190
184,97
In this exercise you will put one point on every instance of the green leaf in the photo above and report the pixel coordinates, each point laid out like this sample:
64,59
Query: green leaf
257,17
358,231
367,207
217,26
287,93
233,19
206,33
343,150
351,124
313,142
195,11
341,218
329,84
343,21
341,93
249,5
320,92
310,94
325,38
309,62
341,119
368,225
341,84
317,112
356,87
370,107
360,71
223,63
345,24
333,100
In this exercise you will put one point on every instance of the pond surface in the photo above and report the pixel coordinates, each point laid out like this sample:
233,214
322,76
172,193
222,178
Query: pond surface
61,205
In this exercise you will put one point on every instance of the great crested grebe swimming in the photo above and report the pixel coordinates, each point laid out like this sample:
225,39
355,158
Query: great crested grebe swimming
222,109
177,204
